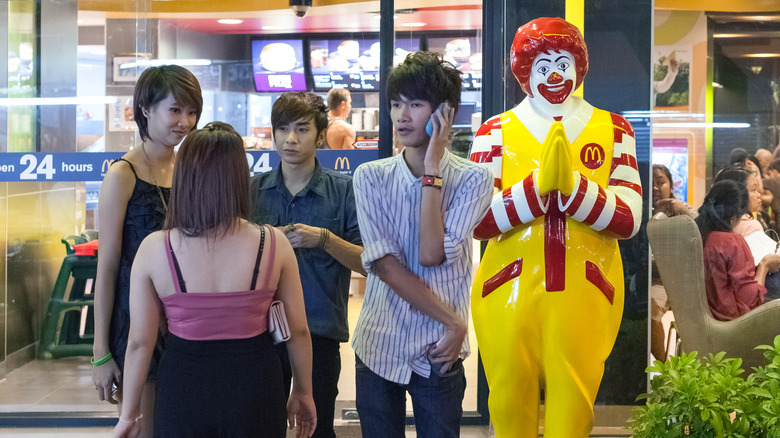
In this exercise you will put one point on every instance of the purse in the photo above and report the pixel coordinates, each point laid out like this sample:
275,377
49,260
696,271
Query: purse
277,323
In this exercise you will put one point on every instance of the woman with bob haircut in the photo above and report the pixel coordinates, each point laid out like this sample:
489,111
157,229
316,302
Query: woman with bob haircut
213,275
134,197
735,285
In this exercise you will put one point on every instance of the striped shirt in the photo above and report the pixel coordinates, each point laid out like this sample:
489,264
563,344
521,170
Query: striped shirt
391,338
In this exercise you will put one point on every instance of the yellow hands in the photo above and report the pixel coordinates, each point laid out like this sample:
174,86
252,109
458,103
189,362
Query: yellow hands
555,170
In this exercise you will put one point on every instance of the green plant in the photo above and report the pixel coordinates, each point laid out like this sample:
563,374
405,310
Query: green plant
690,397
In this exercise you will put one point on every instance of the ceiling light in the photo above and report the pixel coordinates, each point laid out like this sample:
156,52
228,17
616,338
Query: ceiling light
413,24
762,55
716,85
158,62
230,21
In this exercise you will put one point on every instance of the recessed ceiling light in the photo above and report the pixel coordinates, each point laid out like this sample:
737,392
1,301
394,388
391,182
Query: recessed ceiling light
762,55
413,24
230,21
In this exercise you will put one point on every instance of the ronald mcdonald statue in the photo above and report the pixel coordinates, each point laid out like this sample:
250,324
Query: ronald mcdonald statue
548,296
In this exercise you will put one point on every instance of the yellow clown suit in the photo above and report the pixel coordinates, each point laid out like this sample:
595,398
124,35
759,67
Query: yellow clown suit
548,296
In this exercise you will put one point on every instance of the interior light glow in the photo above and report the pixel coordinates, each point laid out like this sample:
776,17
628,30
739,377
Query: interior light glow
40,101
158,62
762,55
230,21
413,24
272,27
716,85
702,125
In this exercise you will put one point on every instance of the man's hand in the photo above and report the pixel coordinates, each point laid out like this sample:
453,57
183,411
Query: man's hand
302,235
555,169
447,351
442,123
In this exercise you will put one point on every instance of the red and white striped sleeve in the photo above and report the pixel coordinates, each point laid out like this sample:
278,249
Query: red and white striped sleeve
488,147
617,208
511,207
514,205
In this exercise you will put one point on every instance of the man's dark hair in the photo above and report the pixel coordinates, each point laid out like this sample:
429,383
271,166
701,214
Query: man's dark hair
296,105
426,76
336,96
156,83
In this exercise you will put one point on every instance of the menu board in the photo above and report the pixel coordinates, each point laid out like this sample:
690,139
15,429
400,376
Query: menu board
463,53
278,65
352,64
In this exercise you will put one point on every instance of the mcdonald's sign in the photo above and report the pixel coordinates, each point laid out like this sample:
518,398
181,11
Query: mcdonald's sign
342,163
104,167
592,156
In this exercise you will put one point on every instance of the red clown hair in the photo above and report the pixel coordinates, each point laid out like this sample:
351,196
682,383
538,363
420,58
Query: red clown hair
540,36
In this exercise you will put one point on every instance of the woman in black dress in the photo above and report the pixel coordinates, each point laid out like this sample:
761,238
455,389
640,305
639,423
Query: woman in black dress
167,104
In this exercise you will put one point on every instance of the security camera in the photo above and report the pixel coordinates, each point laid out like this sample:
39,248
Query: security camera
300,7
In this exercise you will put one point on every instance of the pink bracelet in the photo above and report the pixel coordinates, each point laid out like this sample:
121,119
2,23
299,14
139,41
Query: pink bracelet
122,420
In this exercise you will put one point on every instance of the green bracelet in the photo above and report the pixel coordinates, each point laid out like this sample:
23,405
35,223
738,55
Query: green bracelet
101,361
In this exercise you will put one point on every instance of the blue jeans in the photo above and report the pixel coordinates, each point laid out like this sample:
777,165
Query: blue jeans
437,402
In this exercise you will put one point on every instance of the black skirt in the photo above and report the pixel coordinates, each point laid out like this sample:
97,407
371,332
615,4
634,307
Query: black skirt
226,388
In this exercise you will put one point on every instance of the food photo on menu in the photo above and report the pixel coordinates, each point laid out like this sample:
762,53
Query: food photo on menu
278,65
460,53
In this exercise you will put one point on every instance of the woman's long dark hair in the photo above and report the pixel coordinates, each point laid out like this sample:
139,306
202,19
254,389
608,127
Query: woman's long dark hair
726,201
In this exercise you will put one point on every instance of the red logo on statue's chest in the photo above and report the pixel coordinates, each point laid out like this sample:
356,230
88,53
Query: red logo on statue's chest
592,156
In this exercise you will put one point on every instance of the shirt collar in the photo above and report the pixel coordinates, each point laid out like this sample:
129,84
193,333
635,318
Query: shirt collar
276,180
406,173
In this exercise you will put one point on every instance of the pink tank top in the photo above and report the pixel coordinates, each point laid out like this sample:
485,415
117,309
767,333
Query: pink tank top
206,316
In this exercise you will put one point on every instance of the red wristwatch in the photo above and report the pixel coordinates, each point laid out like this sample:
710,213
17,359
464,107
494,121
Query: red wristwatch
431,181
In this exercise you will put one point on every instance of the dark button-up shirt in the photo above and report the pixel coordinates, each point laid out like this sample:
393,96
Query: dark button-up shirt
328,201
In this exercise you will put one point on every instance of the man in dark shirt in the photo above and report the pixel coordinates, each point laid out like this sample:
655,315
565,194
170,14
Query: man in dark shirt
315,207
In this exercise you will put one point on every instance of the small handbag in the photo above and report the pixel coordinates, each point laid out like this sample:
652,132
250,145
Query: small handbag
277,323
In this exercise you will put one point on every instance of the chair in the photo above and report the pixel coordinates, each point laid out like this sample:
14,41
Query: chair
677,249
68,329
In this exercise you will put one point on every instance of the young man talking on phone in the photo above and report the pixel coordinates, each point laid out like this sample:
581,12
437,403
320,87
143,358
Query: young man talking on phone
417,212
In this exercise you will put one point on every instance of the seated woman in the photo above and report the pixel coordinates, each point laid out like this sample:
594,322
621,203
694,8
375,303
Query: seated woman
663,195
664,205
748,222
213,275
735,285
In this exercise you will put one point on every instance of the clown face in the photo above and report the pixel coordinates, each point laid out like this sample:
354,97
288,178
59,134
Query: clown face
553,76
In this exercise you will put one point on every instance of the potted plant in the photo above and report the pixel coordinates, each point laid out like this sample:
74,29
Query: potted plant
691,397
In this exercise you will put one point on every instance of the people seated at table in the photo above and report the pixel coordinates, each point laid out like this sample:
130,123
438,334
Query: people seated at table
735,285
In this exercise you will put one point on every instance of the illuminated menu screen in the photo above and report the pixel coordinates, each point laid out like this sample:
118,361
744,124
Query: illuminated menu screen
278,65
352,64
463,53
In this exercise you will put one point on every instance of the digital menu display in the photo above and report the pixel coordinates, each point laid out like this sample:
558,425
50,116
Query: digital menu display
463,53
278,65
352,64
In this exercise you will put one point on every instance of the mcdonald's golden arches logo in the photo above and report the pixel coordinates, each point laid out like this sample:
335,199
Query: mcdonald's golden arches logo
342,163
592,156
104,167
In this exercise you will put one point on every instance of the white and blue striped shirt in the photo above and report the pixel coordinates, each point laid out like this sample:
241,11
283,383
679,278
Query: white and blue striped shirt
391,338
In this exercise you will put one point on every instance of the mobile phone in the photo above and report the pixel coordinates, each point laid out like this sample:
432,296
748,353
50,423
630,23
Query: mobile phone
429,126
